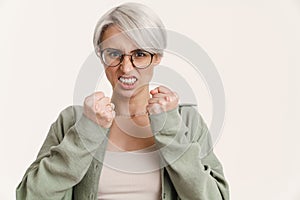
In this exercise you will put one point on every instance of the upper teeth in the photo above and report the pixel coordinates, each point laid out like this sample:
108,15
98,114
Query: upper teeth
127,80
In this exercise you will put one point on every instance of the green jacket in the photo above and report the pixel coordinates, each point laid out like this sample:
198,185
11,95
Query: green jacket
68,165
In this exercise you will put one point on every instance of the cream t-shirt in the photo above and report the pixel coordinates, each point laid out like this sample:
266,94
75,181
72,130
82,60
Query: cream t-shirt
130,175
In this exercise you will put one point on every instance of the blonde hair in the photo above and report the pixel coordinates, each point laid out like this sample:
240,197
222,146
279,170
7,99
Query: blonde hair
138,22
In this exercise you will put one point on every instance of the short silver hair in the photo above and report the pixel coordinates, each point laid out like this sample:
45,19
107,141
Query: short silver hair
138,22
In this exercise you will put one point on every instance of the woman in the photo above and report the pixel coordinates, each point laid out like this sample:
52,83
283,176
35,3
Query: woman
73,162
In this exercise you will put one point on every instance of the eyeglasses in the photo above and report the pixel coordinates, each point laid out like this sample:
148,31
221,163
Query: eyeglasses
114,57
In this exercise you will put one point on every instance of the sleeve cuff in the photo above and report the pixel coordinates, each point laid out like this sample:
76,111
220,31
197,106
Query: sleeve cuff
166,122
89,130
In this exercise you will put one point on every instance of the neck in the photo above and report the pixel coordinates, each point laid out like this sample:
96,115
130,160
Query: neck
131,106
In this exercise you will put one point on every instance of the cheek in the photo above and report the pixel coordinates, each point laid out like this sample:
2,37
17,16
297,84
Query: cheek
147,74
110,74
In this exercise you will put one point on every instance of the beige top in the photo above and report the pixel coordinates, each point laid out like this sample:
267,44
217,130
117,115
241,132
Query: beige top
130,175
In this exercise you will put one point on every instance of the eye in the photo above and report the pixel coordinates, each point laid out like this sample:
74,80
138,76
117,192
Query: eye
140,54
114,54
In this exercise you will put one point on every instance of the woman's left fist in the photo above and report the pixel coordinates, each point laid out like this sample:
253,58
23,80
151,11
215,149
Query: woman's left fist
163,99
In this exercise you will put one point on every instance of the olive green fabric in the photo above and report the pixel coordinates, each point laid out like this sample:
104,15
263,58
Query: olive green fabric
69,163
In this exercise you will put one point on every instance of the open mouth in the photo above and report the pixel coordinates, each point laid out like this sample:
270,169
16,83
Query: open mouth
127,80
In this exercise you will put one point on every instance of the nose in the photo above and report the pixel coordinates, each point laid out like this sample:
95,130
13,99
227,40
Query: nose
126,65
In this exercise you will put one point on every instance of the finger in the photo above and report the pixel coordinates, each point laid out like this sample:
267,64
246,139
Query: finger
159,95
160,89
101,104
108,108
105,115
110,116
153,100
98,95
163,89
112,105
161,101
173,96
168,97
154,91
104,101
113,114
176,95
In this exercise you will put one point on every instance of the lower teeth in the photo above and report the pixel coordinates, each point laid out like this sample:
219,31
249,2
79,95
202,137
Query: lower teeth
127,83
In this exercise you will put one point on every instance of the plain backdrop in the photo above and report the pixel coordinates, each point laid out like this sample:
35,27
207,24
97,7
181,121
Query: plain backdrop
254,44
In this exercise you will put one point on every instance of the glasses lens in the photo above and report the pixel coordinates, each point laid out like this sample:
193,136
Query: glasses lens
141,58
111,57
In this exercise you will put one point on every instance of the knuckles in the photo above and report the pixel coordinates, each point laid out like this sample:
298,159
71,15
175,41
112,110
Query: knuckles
99,109
162,101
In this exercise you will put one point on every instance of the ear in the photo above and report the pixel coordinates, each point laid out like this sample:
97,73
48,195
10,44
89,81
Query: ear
156,59
98,54
99,57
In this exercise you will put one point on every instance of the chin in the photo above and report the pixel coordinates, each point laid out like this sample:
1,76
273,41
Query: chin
128,93
123,93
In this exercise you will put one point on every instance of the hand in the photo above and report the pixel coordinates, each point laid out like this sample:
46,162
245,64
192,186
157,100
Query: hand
99,109
163,99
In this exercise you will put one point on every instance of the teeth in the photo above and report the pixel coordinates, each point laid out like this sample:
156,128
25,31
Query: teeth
128,80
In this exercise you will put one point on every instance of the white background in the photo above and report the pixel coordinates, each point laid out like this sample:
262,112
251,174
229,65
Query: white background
254,44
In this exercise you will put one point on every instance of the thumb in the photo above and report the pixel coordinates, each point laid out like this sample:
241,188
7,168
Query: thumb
154,91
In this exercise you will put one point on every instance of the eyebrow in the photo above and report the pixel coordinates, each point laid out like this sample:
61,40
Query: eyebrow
123,51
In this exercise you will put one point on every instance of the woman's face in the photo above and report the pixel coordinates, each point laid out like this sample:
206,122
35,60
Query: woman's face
126,80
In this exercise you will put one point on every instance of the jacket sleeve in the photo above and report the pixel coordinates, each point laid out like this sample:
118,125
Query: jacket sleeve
63,158
186,150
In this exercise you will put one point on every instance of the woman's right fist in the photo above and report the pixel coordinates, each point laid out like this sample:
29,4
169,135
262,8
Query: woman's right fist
99,109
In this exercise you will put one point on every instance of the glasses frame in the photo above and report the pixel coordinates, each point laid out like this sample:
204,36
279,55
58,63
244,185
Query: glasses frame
131,59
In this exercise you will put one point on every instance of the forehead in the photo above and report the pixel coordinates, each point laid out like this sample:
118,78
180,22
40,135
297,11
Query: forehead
113,37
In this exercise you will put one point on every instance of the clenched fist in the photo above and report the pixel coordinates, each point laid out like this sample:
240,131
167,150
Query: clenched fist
99,109
163,99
